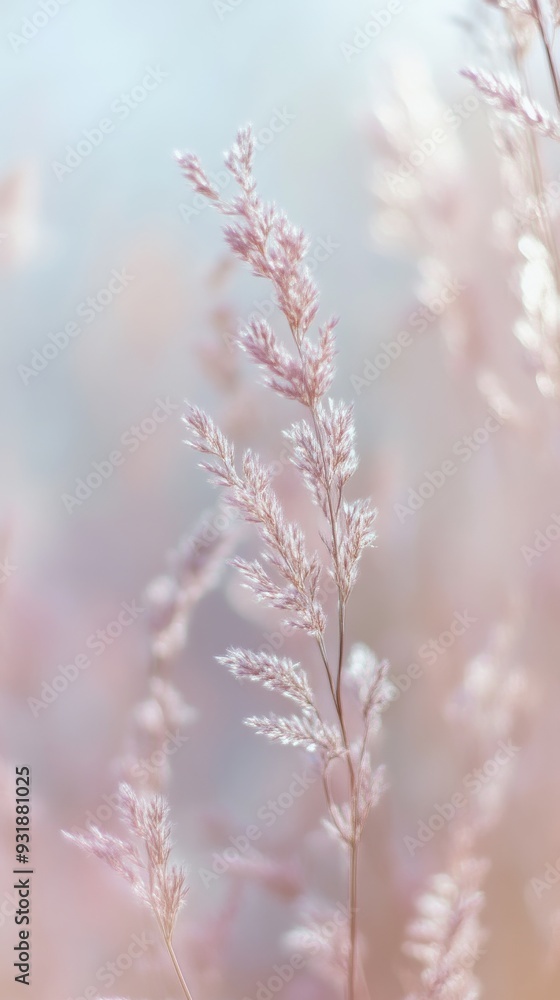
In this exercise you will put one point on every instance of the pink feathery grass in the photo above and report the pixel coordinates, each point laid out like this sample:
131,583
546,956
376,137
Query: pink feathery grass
287,576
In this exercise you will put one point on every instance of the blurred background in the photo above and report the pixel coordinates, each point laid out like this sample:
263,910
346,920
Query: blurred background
118,302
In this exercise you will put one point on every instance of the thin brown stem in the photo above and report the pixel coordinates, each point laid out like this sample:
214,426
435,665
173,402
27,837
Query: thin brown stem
355,832
549,58
177,968
325,660
341,621
175,962
337,698
538,184
331,805
353,896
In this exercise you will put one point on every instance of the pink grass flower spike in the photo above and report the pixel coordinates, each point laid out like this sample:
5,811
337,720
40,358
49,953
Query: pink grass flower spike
287,576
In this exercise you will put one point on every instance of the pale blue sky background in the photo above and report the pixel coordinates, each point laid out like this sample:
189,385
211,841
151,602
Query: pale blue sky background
222,71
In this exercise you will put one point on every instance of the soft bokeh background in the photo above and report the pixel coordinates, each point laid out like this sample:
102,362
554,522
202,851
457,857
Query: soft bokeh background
126,206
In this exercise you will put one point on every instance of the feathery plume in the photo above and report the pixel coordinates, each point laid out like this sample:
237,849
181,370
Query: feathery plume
446,937
504,94
286,576
193,569
300,731
280,675
529,7
528,223
370,679
322,937
144,861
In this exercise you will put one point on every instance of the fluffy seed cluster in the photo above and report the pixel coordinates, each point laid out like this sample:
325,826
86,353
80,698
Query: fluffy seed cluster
322,936
194,568
322,447
446,937
504,94
249,492
144,860
527,221
287,576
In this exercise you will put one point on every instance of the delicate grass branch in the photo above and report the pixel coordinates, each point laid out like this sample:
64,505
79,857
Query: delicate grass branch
287,577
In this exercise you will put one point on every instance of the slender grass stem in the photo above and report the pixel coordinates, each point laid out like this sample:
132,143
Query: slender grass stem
174,960
177,968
